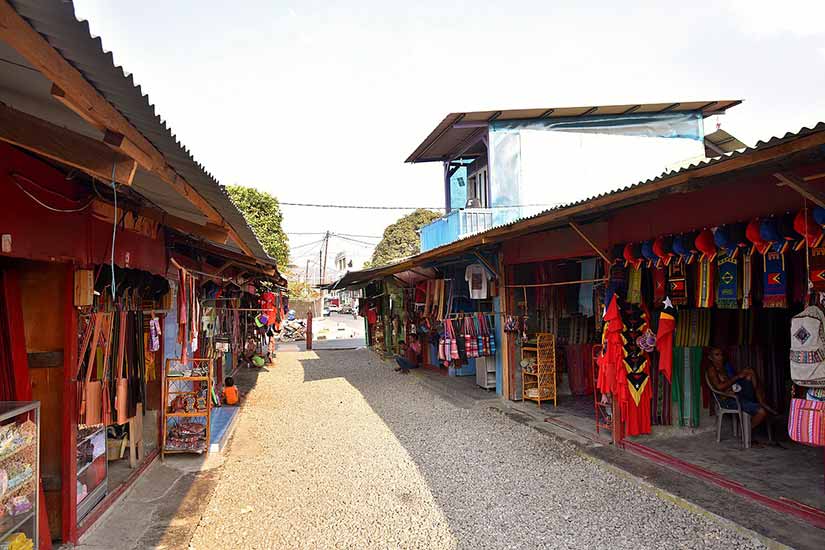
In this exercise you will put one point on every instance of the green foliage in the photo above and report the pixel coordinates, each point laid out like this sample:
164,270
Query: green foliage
263,213
400,239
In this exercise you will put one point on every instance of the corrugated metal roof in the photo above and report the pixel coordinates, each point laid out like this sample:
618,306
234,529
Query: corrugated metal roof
55,20
498,233
458,130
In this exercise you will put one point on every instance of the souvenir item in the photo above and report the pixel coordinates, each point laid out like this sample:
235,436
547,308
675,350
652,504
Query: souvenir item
727,281
659,283
818,268
725,241
648,254
808,348
811,231
634,285
705,244
774,281
705,289
677,284
663,248
806,422
617,283
754,235
683,247
664,338
788,235
747,279
122,387
769,231
154,334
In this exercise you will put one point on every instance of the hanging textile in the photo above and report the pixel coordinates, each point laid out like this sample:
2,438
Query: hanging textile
635,393
634,285
818,268
617,283
664,338
677,281
685,389
611,359
774,281
747,281
659,284
588,272
704,282
727,290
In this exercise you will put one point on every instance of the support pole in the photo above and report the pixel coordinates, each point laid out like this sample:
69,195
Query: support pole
590,243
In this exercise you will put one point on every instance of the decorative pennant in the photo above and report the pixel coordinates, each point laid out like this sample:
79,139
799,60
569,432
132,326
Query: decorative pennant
775,281
727,289
747,280
634,285
664,337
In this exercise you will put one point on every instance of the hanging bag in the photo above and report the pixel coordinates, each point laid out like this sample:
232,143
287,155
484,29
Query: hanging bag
91,391
806,422
122,388
808,348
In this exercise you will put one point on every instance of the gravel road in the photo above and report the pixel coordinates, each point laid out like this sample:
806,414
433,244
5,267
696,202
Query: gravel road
336,450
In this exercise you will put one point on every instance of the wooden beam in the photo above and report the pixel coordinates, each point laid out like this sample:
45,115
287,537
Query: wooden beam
65,146
590,243
802,187
82,98
121,143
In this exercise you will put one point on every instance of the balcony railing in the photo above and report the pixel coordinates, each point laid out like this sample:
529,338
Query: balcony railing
454,226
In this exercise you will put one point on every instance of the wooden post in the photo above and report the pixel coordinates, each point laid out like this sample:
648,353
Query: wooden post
68,469
309,330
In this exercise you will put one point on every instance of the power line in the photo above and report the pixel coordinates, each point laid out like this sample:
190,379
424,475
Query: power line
354,240
362,207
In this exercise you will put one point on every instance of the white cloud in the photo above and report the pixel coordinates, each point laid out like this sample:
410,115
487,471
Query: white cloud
766,17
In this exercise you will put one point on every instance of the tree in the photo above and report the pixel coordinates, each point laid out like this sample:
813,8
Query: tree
263,214
401,238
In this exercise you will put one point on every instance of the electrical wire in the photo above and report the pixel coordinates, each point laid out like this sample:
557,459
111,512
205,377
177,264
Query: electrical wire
114,231
16,177
355,240
306,244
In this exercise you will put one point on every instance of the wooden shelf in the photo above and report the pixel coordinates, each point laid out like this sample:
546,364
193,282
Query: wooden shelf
541,383
188,415
17,451
169,390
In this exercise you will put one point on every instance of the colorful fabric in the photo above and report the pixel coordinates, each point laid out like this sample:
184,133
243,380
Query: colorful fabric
677,284
704,282
635,393
664,338
617,283
659,284
727,289
747,281
818,268
806,422
775,287
634,285
686,388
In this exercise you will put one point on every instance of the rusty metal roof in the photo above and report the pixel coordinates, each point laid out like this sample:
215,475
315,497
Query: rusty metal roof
55,20
458,130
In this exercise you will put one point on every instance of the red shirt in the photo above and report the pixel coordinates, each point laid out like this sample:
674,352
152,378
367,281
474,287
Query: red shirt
372,317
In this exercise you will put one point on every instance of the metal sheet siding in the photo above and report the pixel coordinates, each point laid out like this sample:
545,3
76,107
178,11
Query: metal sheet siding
55,20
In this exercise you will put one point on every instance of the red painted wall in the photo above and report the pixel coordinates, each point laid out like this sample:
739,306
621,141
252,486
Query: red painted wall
40,234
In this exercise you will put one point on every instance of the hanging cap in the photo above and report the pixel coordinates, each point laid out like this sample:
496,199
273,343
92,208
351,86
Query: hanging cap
724,240
647,251
705,244
663,248
787,230
808,228
632,254
737,234
754,236
617,252
819,215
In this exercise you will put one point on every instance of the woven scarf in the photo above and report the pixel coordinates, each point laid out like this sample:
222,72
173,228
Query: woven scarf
747,277
775,281
704,283
659,285
678,284
818,268
617,283
634,285
727,289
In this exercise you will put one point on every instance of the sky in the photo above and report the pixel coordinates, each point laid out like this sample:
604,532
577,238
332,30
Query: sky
322,101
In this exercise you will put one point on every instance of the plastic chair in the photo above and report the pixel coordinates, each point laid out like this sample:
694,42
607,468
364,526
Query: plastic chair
744,419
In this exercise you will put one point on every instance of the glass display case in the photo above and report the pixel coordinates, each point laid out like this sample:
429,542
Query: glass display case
92,468
19,473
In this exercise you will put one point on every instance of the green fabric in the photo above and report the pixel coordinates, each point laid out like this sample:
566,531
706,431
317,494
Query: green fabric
686,392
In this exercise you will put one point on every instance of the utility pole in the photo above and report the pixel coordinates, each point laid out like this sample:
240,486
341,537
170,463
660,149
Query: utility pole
306,274
326,248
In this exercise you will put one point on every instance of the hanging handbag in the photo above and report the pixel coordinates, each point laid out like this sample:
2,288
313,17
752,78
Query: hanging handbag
806,422
89,412
453,342
122,389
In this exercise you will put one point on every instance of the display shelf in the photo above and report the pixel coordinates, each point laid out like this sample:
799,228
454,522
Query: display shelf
21,421
540,385
95,493
16,452
16,525
172,387
85,438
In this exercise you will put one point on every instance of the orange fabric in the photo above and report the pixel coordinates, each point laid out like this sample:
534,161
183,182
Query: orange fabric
230,395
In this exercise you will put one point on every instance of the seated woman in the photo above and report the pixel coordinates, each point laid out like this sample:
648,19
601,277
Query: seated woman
724,378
